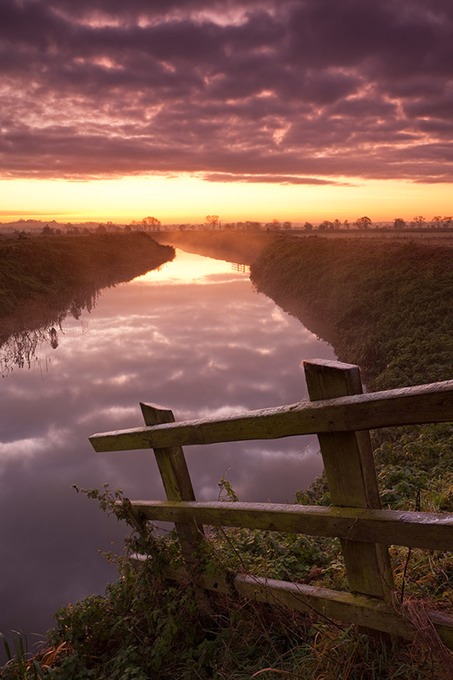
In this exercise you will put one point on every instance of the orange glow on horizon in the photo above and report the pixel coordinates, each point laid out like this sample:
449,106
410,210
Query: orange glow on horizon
188,199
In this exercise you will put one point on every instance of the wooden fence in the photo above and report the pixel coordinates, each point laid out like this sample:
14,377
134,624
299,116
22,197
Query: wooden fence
341,415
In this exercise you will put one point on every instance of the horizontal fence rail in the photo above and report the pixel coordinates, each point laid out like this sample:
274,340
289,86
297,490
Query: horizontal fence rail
433,531
350,608
408,406
341,416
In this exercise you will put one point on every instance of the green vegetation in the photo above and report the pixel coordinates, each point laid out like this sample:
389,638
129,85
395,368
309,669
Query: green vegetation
146,627
57,269
386,307
42,280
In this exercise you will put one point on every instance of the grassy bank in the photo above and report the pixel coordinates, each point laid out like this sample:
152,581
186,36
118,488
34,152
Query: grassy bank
43,280
386,307
55,268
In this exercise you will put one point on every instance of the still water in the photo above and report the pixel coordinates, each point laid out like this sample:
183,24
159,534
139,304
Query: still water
194,337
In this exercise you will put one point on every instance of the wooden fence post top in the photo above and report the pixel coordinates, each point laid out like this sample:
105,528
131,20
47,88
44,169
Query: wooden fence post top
170,460
329,379
328,363
153,414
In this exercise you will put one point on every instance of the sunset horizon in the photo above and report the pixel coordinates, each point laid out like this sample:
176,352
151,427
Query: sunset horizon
72,202
253,111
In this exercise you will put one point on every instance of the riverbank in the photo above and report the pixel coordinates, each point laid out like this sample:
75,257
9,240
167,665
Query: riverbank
49,267
45,279
42,278
388,309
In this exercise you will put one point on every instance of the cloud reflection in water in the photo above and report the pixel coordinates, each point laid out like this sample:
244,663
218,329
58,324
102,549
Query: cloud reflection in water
210,349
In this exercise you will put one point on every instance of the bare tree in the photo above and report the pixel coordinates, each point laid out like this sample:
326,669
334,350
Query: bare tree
437,219
399,223
151,222
363,222
213,221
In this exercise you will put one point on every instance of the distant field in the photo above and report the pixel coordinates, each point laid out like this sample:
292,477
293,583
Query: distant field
428,236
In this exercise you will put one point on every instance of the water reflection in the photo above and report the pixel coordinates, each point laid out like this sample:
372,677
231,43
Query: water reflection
19,350
193,337
22,335
190,268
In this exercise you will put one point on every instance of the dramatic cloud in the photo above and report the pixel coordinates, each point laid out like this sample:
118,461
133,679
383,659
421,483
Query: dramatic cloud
294,90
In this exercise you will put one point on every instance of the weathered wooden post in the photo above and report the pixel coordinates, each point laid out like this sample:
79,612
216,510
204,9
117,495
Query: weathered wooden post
177,484
351,477
178,487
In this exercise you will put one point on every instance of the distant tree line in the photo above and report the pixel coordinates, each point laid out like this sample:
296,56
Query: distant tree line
214,223
419,222
361,223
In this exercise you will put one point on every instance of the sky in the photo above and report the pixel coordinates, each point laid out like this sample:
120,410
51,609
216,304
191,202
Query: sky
287,109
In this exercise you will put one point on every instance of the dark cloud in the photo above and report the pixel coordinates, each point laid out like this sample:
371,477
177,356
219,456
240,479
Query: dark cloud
310,89
266,179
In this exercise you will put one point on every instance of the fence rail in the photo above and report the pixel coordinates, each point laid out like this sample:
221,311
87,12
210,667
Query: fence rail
433,531
341,416
408,406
